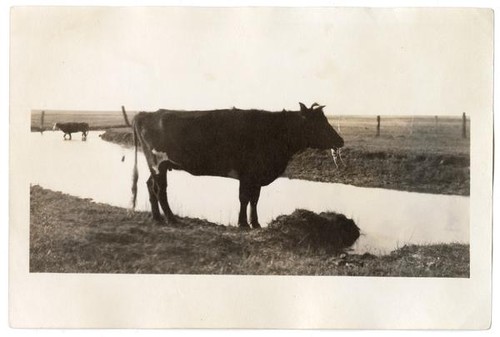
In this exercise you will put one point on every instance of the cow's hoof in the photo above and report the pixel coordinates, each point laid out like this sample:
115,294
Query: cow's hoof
172,220
256,225
244,226
158,218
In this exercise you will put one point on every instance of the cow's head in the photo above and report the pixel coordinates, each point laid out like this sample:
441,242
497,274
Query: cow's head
318,132
56,126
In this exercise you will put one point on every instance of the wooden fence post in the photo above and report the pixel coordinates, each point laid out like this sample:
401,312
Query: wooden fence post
378,126
42,117
464,126
125,116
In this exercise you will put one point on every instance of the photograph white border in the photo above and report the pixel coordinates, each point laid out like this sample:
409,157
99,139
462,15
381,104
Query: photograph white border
177,301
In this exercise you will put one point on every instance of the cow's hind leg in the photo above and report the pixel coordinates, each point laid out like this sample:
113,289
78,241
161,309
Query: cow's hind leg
244,200
254,199
155,210
162,193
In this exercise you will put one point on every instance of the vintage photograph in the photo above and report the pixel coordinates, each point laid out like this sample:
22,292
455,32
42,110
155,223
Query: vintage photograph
251,141
245,191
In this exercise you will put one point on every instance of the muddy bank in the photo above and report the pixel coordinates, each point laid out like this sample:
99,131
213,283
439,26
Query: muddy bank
419,170
69,234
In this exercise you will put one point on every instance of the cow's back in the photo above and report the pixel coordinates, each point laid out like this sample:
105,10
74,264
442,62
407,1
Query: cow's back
73,127
252,143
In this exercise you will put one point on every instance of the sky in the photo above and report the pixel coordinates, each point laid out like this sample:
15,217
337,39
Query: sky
353,60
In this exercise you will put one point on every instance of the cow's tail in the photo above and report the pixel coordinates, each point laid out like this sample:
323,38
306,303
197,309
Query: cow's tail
135,174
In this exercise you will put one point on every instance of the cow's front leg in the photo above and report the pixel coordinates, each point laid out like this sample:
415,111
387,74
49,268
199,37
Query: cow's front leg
244,200
155,210
254,199
69,135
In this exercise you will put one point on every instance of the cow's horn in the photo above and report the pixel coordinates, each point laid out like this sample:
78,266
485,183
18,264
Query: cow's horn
317,106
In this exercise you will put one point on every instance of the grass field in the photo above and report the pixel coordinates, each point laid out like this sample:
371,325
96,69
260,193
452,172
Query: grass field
412,134
73,235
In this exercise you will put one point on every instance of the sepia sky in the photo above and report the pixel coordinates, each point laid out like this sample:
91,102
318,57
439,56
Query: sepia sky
354,61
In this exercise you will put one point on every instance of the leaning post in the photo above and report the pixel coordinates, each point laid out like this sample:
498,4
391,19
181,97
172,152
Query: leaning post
378,126
464,126
42,117
125,116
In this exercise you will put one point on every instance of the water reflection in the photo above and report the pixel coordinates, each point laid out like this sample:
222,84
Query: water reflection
388,219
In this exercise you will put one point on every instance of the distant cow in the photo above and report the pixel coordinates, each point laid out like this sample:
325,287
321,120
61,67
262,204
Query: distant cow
69,128
253,146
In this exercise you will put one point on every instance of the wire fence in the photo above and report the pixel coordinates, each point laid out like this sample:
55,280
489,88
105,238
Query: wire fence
402,126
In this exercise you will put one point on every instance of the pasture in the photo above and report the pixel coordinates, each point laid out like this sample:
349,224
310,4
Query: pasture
413,134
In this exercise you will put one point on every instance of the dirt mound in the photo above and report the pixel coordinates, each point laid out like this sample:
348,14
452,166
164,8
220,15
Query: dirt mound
327,231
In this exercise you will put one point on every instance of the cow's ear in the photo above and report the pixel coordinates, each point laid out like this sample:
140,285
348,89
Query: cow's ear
303,108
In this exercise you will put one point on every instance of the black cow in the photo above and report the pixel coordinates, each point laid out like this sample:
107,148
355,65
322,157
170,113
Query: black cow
253,146
69,128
